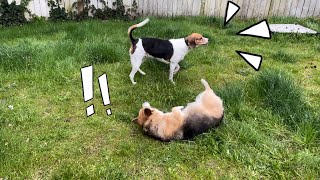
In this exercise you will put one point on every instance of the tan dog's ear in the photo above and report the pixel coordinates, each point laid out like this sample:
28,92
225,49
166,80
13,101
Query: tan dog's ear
148,112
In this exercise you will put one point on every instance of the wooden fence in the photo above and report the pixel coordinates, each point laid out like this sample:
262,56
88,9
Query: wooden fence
248,8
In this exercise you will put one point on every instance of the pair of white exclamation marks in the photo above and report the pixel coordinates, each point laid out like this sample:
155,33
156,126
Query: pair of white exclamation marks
87,87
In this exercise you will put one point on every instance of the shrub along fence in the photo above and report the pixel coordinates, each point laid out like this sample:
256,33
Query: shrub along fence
249,8
17,12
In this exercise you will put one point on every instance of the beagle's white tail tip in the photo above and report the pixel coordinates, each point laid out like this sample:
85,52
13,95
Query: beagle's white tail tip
143,22
205,83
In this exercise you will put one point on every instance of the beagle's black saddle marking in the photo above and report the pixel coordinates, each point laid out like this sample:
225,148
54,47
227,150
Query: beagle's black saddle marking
158,48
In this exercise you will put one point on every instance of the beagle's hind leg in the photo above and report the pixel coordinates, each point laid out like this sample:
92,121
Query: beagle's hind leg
131,75
136,62
171,72
176,69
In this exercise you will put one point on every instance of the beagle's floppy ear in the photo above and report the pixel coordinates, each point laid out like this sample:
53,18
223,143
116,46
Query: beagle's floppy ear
191,41
148,112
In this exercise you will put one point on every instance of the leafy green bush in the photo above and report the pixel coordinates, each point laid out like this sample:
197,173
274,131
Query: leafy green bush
57,13
81,10
120,10
105,13
12,14
118,13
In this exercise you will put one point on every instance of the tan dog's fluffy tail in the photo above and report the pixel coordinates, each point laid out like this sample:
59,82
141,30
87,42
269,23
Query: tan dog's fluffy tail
205,83
133,27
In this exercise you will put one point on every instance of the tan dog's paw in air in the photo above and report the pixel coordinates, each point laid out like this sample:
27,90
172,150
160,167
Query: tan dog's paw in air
167,51
204,113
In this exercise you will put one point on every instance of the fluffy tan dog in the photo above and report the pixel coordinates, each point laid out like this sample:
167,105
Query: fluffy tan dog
183,123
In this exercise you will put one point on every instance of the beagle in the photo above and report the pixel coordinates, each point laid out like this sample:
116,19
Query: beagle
183,123
168,51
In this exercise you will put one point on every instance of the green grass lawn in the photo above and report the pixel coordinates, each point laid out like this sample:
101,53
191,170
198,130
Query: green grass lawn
271,127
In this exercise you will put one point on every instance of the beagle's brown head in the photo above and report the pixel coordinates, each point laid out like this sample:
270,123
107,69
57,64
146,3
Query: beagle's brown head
196,39
144,113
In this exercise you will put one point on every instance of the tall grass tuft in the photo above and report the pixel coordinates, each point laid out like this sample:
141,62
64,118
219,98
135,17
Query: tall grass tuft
277,90
232,94
283,56
233,97
210,21
102,53
19,57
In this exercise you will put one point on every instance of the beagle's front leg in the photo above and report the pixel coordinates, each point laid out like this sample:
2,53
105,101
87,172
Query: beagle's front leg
176,69
172,68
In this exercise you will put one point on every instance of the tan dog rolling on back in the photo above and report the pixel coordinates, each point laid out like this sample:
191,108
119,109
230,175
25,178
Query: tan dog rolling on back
183,123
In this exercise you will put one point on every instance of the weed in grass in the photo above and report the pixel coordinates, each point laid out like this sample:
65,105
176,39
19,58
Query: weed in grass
308,133
283,56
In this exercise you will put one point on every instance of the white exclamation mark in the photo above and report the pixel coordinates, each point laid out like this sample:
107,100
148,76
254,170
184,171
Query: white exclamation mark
104,89
87,87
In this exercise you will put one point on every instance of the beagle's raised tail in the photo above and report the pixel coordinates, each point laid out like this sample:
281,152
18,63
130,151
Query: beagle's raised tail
133,27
